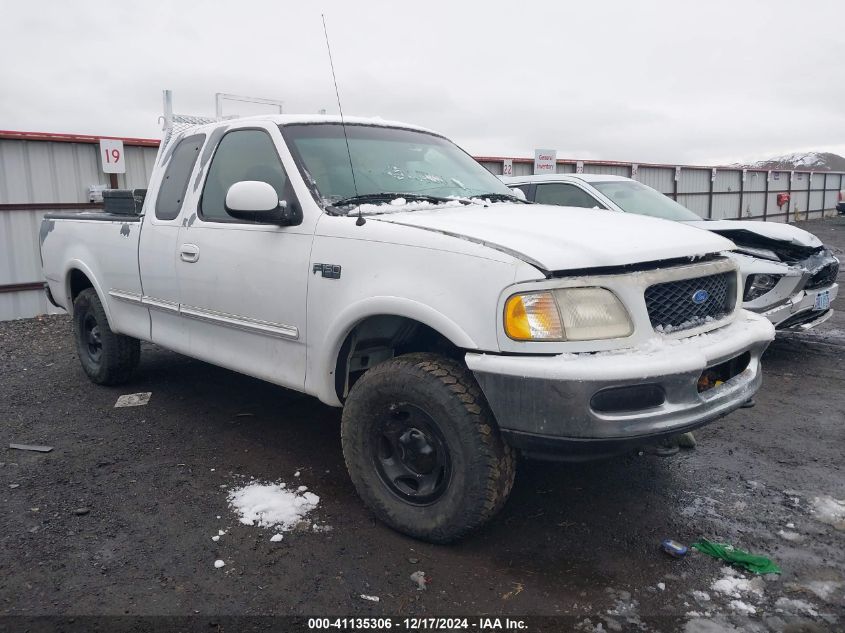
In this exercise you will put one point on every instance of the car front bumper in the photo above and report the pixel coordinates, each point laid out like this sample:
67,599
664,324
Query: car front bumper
547,405
799,313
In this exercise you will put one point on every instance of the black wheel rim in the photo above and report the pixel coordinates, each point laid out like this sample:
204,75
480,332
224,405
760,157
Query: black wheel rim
411,455
91,340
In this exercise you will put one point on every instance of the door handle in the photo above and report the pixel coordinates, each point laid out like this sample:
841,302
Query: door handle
189,253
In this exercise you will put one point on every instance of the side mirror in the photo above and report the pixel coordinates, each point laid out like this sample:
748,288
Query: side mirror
519,193
256,201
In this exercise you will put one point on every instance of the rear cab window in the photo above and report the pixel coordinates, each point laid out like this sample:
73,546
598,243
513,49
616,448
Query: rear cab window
171,194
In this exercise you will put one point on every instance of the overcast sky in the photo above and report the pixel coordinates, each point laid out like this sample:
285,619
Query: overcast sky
702,82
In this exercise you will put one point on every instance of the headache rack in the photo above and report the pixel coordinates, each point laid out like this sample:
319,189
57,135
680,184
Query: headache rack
175,124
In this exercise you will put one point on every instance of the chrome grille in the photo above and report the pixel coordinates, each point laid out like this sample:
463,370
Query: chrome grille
688,303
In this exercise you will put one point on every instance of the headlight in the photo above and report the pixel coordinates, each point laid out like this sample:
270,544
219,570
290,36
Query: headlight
758,285
533,316
566,314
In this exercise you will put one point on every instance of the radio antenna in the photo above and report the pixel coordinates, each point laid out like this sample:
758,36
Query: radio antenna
360,221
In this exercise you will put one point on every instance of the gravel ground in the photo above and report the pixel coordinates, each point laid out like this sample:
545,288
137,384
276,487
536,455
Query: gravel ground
118,518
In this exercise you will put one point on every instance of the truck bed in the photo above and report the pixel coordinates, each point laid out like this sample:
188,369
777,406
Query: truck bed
103,247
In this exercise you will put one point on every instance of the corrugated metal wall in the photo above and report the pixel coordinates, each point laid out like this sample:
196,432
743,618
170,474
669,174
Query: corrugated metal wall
729,193
35,174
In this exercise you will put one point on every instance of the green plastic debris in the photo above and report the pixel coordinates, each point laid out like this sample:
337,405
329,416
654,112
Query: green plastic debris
751,562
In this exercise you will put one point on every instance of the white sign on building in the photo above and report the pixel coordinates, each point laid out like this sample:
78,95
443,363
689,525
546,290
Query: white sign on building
507,167
111,156
545,161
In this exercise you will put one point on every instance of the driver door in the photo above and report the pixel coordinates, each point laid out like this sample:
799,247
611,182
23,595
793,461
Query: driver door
243,284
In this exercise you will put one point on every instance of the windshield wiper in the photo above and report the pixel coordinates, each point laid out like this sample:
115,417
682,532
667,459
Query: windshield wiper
499,197
386,196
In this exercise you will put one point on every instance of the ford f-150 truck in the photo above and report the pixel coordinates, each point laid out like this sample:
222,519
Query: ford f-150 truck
379,268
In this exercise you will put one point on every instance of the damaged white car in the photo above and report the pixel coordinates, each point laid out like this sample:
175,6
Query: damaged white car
788,275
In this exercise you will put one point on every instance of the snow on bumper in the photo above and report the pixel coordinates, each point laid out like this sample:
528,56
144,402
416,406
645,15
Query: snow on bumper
555,397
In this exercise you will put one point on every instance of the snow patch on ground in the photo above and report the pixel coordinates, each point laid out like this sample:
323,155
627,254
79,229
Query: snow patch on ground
742,607
828,590
830,511
736,585
798,607
272,505
788,535
701,596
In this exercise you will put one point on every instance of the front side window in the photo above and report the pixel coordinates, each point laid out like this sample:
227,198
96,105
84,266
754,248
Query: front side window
171,194
634,197
565,195
387,161
241,155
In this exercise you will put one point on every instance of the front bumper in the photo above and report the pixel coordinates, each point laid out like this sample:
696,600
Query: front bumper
549,401
798,312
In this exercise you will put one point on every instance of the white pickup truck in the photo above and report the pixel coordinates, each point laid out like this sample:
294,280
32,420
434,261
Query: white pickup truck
379,268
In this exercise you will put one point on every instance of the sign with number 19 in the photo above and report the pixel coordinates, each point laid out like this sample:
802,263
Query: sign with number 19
111,156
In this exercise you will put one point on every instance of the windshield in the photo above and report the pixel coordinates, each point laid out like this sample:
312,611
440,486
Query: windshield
634,197
389,163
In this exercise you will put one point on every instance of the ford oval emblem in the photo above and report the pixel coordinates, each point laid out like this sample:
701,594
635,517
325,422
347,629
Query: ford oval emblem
700,296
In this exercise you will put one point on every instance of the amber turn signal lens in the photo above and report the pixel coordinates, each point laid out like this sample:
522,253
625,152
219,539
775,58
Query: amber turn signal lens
533,316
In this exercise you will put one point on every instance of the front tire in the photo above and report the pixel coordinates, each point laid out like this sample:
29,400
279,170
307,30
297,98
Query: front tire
423,449
106,357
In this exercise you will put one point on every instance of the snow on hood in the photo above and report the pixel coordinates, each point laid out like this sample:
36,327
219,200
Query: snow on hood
770,230
578,238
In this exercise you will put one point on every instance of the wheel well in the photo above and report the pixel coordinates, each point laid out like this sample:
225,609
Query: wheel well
381,337
78,282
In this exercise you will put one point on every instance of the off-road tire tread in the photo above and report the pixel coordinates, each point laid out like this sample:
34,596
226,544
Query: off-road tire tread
121,353
493,460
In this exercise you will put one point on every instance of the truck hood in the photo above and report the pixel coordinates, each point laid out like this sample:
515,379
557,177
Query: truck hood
579,238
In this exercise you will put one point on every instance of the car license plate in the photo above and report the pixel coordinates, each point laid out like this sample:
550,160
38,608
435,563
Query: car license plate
822,300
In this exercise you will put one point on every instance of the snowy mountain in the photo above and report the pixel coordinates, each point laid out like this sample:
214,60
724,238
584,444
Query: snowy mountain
816,161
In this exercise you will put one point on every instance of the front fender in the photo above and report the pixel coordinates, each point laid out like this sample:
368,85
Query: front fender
320,377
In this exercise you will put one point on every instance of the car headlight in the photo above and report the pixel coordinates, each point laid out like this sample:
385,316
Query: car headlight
758,285
533,316
566,314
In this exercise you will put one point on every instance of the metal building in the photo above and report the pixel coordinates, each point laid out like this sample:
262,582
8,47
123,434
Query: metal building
42,172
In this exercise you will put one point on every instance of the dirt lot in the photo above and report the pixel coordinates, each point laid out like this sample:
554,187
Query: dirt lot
575,540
